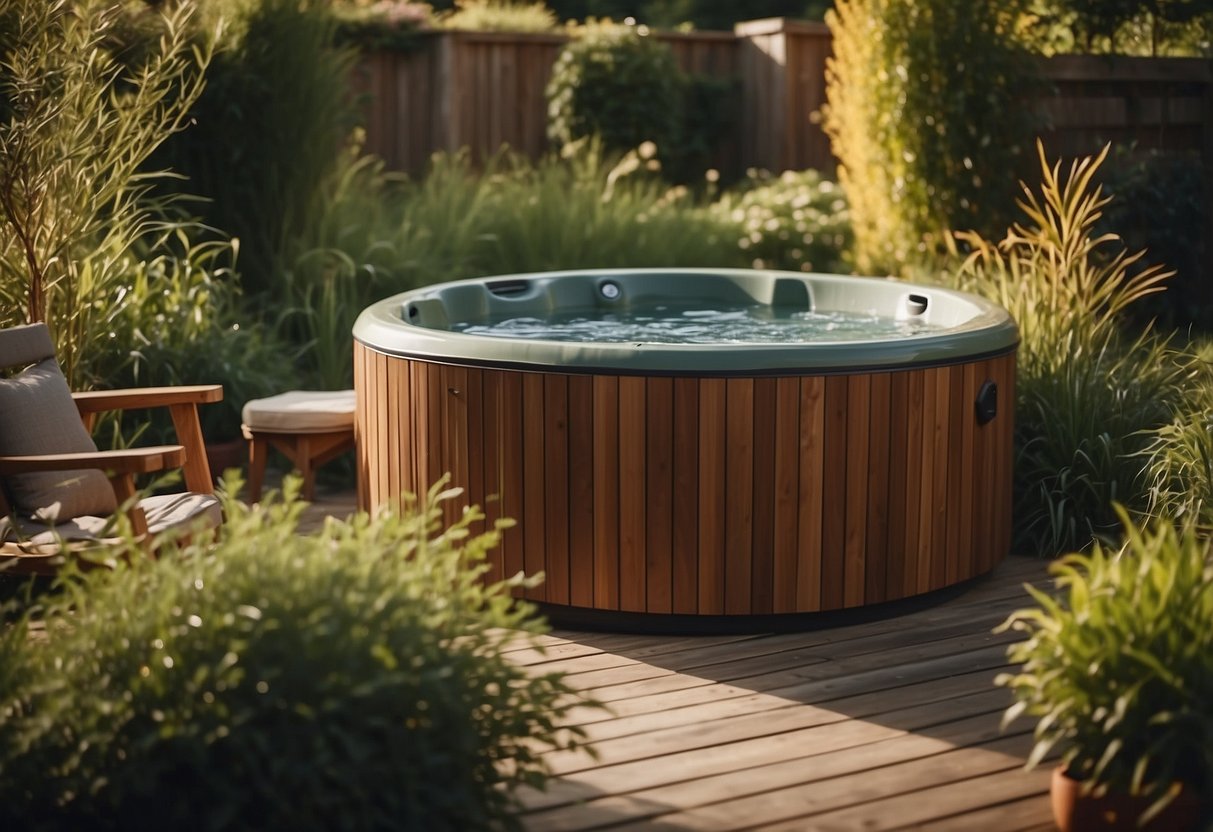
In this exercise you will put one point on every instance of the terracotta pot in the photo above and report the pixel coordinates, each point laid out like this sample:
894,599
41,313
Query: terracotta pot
1075,812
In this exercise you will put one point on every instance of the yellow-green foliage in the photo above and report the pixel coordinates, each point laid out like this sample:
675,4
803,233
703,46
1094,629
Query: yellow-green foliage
500,16
1087,392
78,123
351,679
923,114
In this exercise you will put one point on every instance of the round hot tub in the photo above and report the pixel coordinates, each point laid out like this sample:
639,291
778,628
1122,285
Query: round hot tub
701,442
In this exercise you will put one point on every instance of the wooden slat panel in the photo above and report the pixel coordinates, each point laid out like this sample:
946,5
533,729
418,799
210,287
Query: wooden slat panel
436,428
534,515
685,533
877,537
492,422
511,444
606,492
958,414
968,555
859,430
1004,466
762,589
939,478
833,521
581,491
455,436
915,422
787,494
419,440
739,494
987,487
556,487
659,494
632,514
926,497
811,498
711,496
473,388
899,454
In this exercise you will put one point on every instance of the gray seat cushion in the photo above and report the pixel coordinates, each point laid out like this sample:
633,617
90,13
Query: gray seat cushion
38,416
164,511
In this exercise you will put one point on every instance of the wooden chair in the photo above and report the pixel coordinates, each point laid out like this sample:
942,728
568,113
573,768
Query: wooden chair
57,491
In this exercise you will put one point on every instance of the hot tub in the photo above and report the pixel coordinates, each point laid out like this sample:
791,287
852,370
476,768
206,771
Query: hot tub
701,479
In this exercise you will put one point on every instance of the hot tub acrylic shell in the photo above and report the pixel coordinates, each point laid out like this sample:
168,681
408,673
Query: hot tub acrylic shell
701,479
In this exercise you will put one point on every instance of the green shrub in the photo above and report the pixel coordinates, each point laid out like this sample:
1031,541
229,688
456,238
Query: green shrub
388,24
174,317
925,115
79,125
1087,393
267,130
1180,452
618,83
797,221
1159,203
353,679
1119,668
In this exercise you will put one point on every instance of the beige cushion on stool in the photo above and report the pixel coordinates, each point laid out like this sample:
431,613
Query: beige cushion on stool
310,427
301,411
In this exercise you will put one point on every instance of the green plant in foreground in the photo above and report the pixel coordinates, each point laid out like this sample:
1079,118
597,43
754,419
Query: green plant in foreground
1180,452
1119,668
351,679
1087,394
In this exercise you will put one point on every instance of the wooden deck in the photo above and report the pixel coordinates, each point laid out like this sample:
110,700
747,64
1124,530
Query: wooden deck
886,724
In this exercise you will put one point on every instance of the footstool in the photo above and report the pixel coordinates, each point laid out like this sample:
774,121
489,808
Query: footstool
308,427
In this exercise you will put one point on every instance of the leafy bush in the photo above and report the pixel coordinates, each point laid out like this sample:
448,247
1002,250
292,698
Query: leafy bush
385,24
1119,669
1160,204
925,115
174,317
354,679
1180,453
617,83
500,16
1126,27
78,126
797,221
1087,394
267,130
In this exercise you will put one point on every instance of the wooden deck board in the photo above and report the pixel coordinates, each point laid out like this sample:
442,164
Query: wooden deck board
881,724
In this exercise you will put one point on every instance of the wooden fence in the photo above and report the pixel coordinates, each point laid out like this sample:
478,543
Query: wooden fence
482,90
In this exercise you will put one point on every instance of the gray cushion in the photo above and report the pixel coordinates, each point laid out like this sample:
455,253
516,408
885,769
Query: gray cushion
38,416
163,511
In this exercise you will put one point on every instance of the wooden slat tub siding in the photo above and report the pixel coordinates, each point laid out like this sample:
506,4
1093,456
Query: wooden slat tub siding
659,494
686,522
490,420
785,513
762,589
899,457
510,448
704,495
711,495
811,499
968,556
556,487
534,506
834,492
632,497
739,495
877,538
606,492
941,455
858,488
581,491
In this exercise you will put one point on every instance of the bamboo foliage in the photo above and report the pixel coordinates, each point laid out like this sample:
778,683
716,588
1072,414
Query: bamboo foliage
77,126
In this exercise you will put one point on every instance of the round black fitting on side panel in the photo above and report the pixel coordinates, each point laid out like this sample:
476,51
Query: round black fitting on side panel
987,402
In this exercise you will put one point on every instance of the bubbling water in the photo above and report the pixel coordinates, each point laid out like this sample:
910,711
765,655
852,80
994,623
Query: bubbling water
756,324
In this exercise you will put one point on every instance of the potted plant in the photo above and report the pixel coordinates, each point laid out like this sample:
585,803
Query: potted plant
1118,669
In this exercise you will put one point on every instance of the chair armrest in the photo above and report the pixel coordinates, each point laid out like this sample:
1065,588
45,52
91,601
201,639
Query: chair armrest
127,461
99,401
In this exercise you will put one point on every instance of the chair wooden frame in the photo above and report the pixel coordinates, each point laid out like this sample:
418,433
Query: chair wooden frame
121,466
